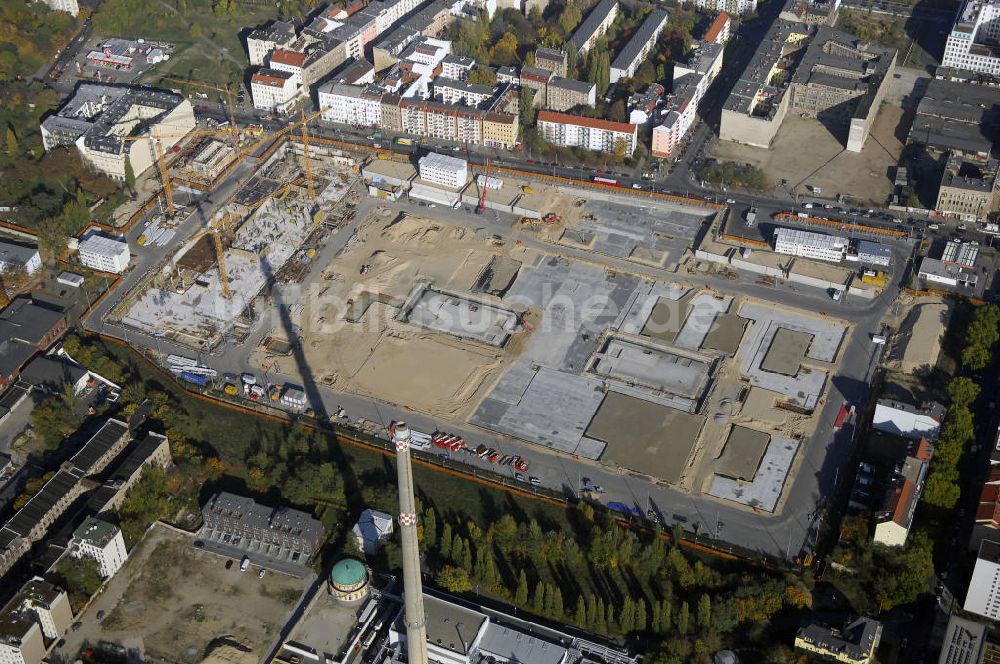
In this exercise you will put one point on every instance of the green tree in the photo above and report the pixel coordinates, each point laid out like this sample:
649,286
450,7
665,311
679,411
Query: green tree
703,612
962,391
195,31
683,619
466,556
11,142
641,616
527,107
569,18
430,528
482,76
975,357
521,594
454,579
129,174
571,60
903,576
666,616
445,548
81,577
617,111
505,534
504,52
940,491
538,598
580,617
626,619
677,534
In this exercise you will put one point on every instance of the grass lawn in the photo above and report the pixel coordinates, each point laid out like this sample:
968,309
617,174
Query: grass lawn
208,48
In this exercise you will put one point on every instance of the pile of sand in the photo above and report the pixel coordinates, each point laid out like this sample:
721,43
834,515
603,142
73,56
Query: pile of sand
413,233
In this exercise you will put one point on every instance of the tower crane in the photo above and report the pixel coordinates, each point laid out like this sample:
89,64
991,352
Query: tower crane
486,181
306,166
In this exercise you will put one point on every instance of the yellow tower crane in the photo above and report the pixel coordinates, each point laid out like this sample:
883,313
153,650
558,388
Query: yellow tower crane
306,166
223,275
156,138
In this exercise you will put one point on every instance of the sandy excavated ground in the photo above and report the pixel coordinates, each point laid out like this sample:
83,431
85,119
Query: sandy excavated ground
379,355
826,164
172,600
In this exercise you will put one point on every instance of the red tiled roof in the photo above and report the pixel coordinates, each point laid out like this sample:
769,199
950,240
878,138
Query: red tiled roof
924,450
266,79
716,27
504,118
290,58
990,493
994,475
593,123
902,499
355,7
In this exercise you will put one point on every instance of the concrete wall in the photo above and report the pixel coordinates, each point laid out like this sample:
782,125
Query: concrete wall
866,293
740,264
861,127
816,282
701,254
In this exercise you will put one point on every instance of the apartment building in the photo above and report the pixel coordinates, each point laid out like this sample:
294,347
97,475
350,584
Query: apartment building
733,7
642,105
290,62
983,596
273,91
720,30
797,242
285,532
350,104
104,253
563,94
895,516
639,46
536,79
553,59
101,542
16,256
967,642
589,133
26,329
457,67
500,130
31,522
260,42
455,91
594,26
97,117
855,643
37,614
813,71
691,81
956,120
974,41
968,191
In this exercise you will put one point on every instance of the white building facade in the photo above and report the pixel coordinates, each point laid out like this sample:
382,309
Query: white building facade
737,7
589,133
273,91
983,597
444,169
350,104
15,256
971,44
101,542
795,242
103,253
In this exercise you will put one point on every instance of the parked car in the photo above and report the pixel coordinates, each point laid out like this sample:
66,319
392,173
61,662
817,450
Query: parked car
534,481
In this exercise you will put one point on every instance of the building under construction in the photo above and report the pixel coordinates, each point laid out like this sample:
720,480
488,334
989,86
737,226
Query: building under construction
208,287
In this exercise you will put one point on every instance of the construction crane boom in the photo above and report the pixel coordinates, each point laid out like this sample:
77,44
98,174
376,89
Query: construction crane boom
486,181
223,275
168,191
306,166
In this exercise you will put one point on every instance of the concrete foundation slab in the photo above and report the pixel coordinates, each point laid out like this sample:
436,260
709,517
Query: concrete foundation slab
680,373
726,334
705,307
461,316
765,490
645,437
786,352
742,453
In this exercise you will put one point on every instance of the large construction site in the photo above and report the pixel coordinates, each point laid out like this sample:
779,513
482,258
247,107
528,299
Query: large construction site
510,321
